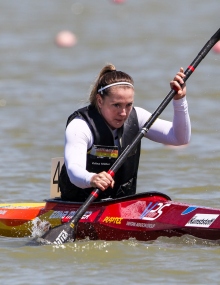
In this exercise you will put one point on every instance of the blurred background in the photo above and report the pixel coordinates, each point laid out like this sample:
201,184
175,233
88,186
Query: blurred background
46,74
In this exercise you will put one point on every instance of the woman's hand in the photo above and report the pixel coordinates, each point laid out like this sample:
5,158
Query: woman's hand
102,180
176,83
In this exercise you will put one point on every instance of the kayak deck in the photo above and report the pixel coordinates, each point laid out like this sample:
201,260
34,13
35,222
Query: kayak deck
15,218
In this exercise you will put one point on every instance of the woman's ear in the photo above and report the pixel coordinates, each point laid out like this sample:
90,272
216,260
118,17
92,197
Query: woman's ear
99,100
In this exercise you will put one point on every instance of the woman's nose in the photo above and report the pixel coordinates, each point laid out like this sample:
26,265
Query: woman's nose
123,112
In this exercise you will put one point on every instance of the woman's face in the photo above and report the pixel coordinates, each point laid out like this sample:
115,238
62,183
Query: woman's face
116,107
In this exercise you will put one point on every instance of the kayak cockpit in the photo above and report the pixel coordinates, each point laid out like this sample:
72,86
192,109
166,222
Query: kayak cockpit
137,196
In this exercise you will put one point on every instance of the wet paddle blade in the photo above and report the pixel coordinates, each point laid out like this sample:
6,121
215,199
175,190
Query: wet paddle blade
60,234
67,231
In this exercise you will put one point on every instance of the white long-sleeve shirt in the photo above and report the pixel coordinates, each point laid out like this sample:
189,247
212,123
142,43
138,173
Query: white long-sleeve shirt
79,138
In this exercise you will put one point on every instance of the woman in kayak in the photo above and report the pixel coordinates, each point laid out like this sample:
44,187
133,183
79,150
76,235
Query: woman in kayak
97,134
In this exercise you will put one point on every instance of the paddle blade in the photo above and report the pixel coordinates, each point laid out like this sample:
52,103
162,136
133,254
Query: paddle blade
60,234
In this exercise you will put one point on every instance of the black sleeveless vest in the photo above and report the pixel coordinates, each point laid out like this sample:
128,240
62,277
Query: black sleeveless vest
125,178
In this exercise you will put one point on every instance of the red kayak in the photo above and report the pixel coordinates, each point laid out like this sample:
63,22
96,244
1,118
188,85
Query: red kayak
144,216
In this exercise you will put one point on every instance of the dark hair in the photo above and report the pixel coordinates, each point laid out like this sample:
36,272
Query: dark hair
108,75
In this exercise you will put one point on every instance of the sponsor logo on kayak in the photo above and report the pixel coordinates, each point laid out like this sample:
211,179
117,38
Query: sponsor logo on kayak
153,211
189,210
112,220
68,215
202,220
2,212
15,207
140,225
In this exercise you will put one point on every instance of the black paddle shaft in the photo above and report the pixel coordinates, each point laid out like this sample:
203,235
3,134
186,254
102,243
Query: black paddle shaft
68,231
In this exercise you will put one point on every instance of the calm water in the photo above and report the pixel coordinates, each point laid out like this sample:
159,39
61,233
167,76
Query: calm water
41,84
